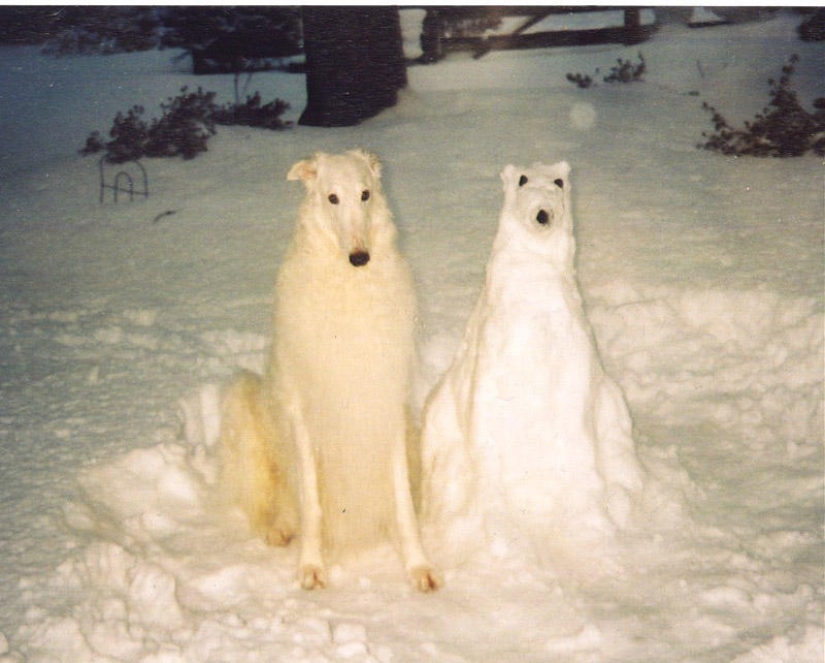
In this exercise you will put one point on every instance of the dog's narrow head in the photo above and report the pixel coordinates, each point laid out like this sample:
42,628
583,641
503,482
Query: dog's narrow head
537,208
344,199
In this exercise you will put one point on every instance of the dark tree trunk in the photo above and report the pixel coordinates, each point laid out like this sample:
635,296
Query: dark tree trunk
354,63
634,33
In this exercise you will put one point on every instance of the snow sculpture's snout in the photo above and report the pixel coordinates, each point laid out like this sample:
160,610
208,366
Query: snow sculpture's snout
537,207
343,191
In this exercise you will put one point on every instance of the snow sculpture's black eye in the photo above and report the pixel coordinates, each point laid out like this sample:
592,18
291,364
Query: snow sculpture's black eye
542,217
522,180
333,199
559,183
365,195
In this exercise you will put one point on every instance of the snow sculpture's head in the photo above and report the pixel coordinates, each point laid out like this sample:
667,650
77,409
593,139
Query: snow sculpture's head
536,212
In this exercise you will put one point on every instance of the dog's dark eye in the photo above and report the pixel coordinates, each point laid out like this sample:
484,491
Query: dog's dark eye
542,217
365,195
559,183
522,180
333,199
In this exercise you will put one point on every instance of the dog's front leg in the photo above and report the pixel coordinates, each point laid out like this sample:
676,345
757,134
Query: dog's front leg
419,570
311,571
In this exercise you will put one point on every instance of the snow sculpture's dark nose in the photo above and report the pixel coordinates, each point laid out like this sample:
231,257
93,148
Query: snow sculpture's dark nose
359,258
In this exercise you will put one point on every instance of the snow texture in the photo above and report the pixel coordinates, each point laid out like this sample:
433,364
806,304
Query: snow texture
701,277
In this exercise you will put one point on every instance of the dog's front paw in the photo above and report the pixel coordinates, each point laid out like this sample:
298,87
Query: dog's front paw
312,576
425,579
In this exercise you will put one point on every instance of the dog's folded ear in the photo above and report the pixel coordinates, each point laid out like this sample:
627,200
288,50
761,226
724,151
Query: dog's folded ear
303,170
372,161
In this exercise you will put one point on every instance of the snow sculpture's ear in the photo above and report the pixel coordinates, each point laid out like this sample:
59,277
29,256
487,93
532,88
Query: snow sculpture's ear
371,160
510,176
561,171
304,170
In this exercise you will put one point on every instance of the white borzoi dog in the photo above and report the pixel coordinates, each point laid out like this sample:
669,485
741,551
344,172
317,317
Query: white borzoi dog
317,446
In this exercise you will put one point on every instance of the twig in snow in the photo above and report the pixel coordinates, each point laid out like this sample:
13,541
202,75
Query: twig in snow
168,212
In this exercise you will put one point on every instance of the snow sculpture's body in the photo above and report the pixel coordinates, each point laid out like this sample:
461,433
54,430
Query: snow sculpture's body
526,425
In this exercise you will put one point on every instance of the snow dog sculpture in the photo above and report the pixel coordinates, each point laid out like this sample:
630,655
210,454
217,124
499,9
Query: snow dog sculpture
525,425
316,448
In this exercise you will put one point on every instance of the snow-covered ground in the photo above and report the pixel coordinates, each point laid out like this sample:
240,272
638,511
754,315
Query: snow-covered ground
703,280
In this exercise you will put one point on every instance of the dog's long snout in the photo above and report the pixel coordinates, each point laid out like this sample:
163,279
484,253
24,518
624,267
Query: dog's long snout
359,258
353,227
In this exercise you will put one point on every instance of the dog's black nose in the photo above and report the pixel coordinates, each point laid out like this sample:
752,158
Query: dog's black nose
359,258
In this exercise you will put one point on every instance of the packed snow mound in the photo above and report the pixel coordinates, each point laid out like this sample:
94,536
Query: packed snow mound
741,358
